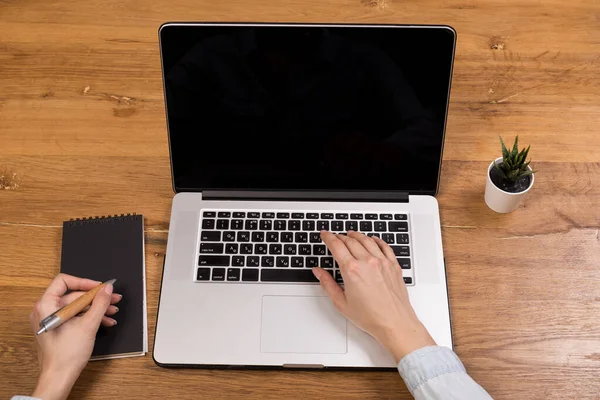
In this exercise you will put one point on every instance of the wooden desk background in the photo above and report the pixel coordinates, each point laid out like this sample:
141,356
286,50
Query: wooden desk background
82,126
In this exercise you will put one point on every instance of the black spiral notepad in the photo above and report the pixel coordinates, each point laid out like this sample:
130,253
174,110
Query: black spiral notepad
102,248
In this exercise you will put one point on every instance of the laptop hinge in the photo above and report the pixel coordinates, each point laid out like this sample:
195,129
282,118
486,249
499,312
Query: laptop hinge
266,195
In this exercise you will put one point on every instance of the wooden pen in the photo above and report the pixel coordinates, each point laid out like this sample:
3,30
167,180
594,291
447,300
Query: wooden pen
64,314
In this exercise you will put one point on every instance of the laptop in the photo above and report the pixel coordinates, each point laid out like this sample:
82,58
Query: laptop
279,131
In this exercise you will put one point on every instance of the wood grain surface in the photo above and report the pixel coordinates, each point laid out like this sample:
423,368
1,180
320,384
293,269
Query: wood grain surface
82,132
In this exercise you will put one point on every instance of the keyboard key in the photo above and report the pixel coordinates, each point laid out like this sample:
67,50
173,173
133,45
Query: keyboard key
356,216
243,236
237,261
258,236
304,249
239,214
216,261
231,248
298,215
237,224
341,216
402,238
351,225
224,214
280,225
282,262
275,249
290,249
337,226
404,263
408,280
287,237
268,215
272,236
315,237
215,248
260,248
312,262
266,224
398,226
326,215
371,216
209,214
301,237
223,224
312,215
218,274
233,274
385,217
210,236
366,226
283,215
371,234
380,226
287,275
322,225
388,238
208,224
203,274
338,277
229,236
319,249
403,251
308,225
267,261
251,224
297,262
253,215
400,217
252,261
294,225
246,248
326,262
250,275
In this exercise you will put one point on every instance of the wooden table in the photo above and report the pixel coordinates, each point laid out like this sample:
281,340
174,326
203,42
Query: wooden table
82,132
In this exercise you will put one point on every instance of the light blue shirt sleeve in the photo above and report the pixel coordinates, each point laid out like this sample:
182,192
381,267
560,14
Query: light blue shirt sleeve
23,398
435,372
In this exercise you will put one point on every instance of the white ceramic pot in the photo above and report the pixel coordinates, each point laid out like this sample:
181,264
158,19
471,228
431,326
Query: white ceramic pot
500,200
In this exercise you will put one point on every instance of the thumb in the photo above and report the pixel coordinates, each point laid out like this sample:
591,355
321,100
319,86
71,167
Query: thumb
333,290
92,318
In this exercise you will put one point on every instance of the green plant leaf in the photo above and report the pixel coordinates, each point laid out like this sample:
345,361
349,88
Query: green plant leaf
504,149
499,170
515,149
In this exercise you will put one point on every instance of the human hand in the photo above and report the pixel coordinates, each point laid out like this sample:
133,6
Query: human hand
64,351
374,297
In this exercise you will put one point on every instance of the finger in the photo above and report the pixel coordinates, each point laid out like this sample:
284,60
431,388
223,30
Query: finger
333,290
367,243
108,322
63,282
68,298
356,248
92,318
112,310
338,249
386,250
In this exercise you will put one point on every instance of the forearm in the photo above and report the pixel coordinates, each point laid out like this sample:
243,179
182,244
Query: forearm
436,372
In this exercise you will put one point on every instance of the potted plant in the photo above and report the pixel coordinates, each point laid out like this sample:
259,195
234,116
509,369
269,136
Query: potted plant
508,179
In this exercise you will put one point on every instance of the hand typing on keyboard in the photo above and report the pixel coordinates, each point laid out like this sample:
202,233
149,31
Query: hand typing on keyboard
374,297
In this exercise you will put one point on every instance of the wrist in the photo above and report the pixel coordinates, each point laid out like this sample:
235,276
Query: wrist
54,385
401,342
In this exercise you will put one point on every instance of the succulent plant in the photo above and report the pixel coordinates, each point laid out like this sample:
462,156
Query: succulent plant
514,164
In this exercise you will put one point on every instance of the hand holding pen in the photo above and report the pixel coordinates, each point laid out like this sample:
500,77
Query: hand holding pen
64,351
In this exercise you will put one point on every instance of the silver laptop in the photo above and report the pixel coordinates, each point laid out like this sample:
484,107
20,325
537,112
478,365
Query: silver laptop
277,132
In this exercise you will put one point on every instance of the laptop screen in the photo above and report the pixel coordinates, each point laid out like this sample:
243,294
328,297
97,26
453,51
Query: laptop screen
296,107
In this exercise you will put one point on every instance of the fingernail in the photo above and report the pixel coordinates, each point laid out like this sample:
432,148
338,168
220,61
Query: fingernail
317,273
120,296
116,308
108,288
114,321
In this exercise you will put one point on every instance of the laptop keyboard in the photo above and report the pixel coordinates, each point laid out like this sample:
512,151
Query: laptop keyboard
239,246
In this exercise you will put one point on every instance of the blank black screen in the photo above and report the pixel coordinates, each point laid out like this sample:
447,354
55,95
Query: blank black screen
306,107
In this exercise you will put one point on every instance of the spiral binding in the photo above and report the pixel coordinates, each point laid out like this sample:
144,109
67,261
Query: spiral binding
104,219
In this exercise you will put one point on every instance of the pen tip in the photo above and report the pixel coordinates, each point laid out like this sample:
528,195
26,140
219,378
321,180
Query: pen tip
112,281
42,330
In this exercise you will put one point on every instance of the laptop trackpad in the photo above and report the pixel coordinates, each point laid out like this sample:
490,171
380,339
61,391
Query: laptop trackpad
298,324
